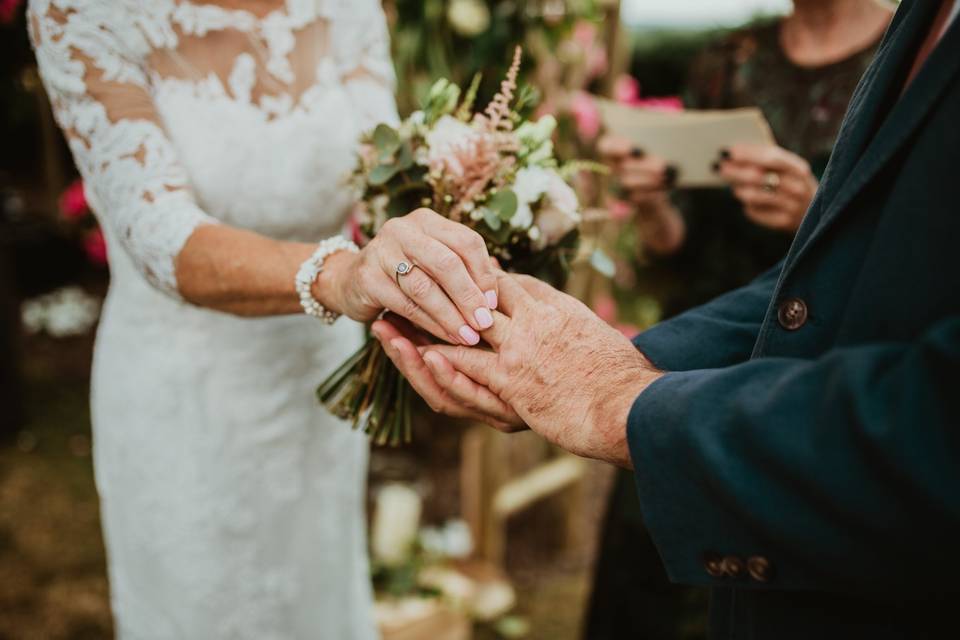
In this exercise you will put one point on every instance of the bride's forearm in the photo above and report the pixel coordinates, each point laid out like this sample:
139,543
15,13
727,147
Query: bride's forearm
247,274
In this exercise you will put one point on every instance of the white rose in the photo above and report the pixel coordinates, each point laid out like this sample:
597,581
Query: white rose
530,185
468,17
523,218
559,213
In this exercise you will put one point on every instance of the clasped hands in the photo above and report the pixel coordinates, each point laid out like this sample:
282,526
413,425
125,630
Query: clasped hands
552,366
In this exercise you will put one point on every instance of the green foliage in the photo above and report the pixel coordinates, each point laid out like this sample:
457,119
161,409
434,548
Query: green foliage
429,41
504,204
441,100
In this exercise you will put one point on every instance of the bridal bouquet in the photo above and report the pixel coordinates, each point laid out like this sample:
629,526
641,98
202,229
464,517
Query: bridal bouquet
492,171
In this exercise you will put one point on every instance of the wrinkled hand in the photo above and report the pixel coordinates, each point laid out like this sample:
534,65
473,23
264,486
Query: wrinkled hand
555,367
450,293
775,186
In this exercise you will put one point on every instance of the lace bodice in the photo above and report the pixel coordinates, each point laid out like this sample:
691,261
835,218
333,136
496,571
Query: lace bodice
175,110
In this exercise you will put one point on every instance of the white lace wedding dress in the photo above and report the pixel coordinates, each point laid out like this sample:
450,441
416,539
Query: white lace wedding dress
232,503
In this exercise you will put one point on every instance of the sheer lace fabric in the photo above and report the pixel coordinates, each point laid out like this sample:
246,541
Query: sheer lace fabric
232,504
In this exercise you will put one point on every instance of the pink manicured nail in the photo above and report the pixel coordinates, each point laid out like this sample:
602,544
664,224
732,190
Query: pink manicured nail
484,319
469,336
491,297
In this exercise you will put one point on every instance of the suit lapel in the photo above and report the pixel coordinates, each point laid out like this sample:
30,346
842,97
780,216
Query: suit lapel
860,154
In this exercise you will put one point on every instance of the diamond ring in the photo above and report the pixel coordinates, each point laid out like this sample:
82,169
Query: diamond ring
403,269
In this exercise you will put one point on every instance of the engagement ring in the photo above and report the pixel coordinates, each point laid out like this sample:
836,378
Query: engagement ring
404,268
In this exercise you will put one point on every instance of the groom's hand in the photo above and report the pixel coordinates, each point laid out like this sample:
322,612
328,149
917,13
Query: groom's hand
563,371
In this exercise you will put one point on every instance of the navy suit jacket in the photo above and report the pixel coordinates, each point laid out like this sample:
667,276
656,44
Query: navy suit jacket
811,474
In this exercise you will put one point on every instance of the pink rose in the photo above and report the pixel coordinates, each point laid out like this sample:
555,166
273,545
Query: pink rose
8,9
73,201
586,114
95,246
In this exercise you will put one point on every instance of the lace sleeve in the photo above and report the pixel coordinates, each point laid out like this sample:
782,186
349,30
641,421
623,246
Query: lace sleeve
361,42
101,99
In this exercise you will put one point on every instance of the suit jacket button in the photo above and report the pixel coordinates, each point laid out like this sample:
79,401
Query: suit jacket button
713,564
792,314
760,568
733,566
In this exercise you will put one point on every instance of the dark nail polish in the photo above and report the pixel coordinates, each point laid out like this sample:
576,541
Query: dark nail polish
637,152
724,154
715,167
670,176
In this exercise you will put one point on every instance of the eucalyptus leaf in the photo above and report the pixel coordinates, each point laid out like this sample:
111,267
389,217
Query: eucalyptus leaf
504,203
386,140
381,174
602,263
405,158
492,219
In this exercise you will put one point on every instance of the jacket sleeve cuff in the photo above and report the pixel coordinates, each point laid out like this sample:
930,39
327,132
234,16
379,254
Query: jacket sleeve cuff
681,506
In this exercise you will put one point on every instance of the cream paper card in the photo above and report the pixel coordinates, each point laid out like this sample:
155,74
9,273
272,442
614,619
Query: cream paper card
689,140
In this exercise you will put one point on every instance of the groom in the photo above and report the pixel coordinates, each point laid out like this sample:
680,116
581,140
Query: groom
796,443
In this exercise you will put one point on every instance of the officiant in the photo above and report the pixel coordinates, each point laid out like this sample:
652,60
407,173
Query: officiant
795,442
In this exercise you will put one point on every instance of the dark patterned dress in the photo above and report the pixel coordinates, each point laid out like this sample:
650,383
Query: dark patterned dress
632,596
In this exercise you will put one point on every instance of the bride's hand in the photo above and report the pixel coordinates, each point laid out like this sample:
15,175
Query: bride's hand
449,292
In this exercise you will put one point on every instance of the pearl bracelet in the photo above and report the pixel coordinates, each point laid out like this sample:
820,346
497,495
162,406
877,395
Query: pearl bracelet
311,268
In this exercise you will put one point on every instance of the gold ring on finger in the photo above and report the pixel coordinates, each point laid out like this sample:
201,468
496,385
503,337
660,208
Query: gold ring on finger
771,181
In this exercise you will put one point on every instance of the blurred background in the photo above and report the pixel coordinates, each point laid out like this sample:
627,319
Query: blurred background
505,531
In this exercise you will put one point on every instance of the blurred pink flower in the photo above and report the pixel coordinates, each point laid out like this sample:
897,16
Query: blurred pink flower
628,330
8,9
586,114
585,33
666,103
585,37
606,309
95,247
619,209
626,91
353,224
597,62
73,201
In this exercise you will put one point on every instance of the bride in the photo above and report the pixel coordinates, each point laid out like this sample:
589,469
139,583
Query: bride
213,137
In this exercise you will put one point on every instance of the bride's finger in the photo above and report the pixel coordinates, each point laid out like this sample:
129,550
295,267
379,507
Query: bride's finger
448,270
400,304
469,393
472,250
422,296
